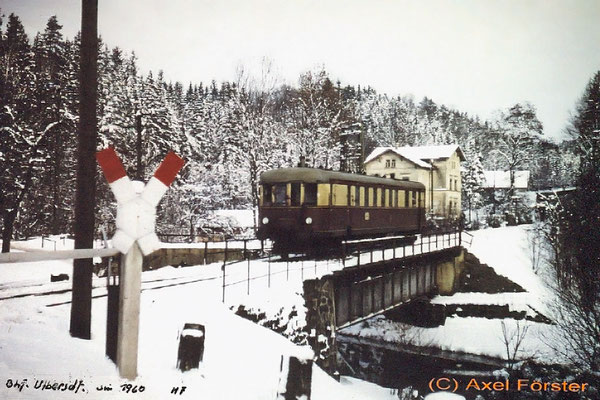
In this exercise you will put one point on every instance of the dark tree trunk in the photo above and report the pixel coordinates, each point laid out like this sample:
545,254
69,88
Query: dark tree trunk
138,148
85,197
8,223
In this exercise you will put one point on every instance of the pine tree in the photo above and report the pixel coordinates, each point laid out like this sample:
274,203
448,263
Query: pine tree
22,140
472,180
585,214
573,234
50,50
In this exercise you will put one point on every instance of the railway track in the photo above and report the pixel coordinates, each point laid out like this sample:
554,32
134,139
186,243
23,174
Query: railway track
343,250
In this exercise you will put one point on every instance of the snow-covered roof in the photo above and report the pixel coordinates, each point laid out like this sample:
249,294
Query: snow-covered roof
435,152
418,154
382,150
501,179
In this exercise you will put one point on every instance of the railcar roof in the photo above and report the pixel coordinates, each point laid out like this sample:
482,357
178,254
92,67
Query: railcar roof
314,175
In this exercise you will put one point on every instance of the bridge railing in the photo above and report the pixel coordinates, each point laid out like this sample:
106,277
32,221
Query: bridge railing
386,249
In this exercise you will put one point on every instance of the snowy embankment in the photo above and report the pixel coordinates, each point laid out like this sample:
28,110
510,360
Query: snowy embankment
508,251
241,359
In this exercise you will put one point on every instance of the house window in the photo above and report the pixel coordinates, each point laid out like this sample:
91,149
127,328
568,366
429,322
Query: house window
393,163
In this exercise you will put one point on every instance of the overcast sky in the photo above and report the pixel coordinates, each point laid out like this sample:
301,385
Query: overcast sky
474,55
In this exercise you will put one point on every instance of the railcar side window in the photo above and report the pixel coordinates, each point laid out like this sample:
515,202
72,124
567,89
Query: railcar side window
295,194
370,198
310,194
362,196
280,194
393,200
267,198
422,199
354,195
379,197
407,198
414,198
387,197
323,192
340,195
401,197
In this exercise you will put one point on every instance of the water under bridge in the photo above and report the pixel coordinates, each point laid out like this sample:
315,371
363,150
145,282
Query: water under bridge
377,278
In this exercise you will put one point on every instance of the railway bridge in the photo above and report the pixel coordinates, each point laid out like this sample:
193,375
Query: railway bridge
379,276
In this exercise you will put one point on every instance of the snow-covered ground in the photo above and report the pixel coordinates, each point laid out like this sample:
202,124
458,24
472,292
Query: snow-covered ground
508,251
241,360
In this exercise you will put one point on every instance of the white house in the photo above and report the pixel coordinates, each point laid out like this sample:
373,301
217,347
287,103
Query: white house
437,167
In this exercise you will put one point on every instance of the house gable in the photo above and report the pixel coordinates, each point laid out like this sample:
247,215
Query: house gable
437,167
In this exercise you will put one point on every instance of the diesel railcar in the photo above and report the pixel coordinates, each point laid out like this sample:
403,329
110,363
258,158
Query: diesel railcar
307,207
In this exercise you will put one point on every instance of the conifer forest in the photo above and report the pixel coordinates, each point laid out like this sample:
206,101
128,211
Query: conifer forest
229,132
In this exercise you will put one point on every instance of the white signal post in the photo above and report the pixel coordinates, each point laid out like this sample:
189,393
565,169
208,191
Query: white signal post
135,237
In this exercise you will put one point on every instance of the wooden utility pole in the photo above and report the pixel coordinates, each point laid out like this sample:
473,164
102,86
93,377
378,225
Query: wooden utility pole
81,307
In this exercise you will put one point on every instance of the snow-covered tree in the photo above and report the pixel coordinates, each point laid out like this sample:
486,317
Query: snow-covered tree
316,119
573,233
518,132
472,181
22,138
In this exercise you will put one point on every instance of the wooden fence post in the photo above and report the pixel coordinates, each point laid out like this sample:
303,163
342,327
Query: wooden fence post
129,315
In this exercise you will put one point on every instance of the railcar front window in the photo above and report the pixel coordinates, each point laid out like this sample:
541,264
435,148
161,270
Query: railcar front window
295,194
280,194
310,194
267,195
